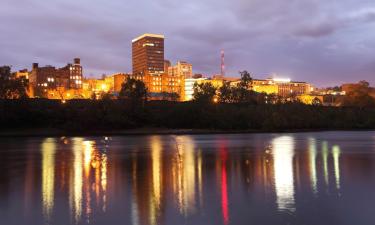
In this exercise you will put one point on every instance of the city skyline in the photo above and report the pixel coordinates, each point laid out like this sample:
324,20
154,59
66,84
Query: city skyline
328,45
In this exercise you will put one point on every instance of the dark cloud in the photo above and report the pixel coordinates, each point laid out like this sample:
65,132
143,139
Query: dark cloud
317,30
324,42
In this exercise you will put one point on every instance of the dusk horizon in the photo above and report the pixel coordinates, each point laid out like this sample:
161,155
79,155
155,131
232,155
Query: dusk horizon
322,43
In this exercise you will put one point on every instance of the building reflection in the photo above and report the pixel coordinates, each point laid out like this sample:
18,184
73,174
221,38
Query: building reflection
184,174
87,155
156,191
87,180
48,177
312,165
134,189
283,152
336,164
181,174
224,185
147,183
325,162
76,180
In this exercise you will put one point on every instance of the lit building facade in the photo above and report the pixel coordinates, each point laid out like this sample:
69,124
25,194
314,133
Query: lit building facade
48,78
189,87
22,74
150,67
181,69
148,54
118,80
75,74
281,87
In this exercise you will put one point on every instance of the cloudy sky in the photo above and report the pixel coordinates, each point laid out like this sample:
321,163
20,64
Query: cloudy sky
325,42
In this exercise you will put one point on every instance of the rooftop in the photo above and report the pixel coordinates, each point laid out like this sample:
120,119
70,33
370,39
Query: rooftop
148,35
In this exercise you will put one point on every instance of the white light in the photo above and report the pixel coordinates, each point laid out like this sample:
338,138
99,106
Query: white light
148,44
282,80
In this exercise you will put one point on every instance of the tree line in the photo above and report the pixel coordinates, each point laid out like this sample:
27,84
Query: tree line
230,107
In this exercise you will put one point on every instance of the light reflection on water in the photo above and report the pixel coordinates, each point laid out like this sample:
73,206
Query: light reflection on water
312,163
186,179
336,164
283,151
48,177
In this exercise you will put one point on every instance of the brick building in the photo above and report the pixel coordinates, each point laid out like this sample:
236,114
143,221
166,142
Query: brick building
43,79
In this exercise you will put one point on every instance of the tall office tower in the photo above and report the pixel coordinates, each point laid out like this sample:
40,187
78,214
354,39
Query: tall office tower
148,54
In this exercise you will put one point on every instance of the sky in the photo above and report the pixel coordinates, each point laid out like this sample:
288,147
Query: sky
324,42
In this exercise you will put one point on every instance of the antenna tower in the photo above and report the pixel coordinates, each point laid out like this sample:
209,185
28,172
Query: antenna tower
222,63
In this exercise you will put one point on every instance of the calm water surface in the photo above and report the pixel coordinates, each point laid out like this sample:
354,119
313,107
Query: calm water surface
306,178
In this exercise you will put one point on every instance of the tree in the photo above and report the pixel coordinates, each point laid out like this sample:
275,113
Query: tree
226,93
243,91
134,90
246,80
204,92
359,95
11,87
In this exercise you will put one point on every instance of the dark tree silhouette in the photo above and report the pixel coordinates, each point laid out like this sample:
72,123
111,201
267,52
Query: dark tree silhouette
243,91
11,87
204,92
359,96
134,90
226,93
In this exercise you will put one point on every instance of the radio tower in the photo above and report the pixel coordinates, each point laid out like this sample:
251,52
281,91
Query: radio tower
222,63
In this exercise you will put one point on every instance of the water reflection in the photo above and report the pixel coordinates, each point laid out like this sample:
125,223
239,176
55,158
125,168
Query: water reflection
183,179
156,195
134,200
312,163
283,152
336,164
184,175
48,177
87,179
76,180
325,161
224,186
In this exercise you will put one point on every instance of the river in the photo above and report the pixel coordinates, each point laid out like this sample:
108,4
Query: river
312,178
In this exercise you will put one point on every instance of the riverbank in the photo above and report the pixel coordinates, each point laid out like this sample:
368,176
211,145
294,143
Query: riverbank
40,117
149,131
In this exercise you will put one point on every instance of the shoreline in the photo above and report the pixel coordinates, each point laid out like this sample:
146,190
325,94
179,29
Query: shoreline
48,132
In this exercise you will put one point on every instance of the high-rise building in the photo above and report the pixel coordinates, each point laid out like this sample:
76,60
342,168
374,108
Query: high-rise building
148,54
149,66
